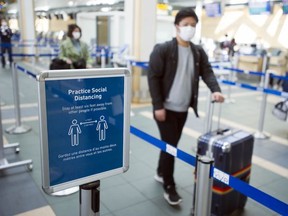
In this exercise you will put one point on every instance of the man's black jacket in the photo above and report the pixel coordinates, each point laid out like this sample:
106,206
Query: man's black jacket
162,70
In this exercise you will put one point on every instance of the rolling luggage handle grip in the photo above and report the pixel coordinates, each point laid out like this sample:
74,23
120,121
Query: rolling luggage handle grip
209,117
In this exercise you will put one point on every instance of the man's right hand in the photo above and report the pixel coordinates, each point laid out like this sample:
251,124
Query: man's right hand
160,115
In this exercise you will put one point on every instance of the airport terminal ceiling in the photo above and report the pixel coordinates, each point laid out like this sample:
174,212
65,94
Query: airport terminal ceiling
52,5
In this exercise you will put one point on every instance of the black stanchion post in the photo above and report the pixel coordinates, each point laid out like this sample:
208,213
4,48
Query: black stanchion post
18,128
90,199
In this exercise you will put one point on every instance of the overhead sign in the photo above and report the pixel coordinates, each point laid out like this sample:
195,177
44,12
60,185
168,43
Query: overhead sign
162,6
213,9
260,7
84,120
285,6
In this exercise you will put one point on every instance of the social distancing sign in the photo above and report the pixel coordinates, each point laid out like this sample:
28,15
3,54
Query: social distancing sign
84,121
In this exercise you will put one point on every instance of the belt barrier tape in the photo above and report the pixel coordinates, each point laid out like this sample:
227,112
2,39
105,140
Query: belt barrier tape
33,55
227,82
244,188
143,65
254,88
107,55
26,71
241,85
256,73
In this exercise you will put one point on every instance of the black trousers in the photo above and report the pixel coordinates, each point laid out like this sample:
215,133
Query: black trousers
5,48
170,132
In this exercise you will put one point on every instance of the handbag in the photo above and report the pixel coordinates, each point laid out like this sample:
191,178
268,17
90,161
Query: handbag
79,64
280,110
59,64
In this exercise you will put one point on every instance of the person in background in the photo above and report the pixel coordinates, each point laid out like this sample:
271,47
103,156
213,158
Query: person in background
74,51
231,50
175,69
5,36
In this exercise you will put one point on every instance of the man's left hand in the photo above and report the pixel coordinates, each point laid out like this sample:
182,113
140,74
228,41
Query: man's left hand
218,97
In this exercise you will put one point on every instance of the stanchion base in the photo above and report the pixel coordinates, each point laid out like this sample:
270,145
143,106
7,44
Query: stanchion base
260,135
18,130
4,164
230,100
66,192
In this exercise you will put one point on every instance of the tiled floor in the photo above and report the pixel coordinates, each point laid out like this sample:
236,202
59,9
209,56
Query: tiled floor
135,193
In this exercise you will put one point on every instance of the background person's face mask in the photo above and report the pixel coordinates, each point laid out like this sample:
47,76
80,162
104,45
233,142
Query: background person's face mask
76,35
186,33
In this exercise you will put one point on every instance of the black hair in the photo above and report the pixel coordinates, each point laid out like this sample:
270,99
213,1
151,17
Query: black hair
71,28
183,13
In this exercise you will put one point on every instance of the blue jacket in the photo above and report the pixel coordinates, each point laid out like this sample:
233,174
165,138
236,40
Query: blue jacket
163,67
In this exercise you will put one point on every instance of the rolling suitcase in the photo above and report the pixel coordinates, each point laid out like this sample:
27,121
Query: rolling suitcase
285,84
232,152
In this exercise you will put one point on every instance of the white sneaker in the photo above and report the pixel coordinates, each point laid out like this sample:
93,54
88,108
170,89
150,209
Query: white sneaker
159,178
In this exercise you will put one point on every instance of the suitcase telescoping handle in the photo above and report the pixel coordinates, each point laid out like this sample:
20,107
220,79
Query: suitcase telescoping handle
209,115
209,119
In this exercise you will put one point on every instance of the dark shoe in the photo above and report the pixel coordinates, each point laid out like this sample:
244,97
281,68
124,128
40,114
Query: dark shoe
171,195
159,178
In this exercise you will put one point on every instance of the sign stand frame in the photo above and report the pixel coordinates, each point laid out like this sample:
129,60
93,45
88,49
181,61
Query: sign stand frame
57,90
89,199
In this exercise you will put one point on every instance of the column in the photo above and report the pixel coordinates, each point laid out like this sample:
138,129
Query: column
198,11
140,35
27,25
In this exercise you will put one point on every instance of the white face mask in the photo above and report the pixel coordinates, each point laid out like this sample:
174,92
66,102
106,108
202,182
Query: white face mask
186,33
76,35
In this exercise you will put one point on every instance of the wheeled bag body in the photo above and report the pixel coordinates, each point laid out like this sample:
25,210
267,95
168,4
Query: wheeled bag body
285,84
232,152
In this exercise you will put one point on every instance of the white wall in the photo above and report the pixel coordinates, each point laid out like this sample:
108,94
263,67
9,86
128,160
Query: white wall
165,28
87,22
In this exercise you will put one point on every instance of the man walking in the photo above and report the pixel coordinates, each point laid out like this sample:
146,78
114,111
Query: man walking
175,68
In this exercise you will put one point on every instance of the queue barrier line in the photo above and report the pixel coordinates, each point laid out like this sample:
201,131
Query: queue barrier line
244,188
279,77
254,88
145,65
108,55
33,55
256,73
228,82
29,45
26,71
